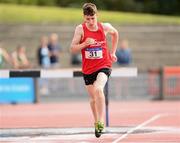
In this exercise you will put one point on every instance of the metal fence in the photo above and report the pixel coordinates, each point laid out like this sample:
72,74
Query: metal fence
133,88
146,86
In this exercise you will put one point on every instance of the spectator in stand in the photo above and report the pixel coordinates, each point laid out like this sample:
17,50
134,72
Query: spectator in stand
43,53
19,58
123,53
4,56
44,62
54,49
124,58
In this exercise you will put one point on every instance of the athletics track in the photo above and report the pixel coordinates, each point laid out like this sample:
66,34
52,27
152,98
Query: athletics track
71,122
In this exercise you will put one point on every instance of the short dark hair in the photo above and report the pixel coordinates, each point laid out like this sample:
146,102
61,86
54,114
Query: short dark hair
89,9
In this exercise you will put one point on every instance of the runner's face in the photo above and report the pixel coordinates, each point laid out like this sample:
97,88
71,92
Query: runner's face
90,20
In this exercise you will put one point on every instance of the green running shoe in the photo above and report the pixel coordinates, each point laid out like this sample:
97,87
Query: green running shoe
99,126
97,133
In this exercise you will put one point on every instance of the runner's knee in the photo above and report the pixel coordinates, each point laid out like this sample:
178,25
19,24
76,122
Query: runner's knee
101,80
92,100
99,90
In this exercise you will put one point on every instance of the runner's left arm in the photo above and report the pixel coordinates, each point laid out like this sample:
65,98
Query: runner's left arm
109,29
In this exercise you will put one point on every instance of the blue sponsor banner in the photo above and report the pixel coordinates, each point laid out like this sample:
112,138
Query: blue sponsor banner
17,90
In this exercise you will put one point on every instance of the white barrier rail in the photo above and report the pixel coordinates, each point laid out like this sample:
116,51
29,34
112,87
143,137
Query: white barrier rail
63,73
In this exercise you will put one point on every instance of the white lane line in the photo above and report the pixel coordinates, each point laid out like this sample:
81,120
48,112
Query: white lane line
35,139
138,127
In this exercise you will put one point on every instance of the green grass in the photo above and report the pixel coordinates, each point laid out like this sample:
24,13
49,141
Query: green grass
38,15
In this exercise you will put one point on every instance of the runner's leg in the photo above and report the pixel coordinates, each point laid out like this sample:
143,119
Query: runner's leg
99,94
91,92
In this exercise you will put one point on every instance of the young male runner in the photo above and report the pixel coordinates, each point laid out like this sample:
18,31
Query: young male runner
90,39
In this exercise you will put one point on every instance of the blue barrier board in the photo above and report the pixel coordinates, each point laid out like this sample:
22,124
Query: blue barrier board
17,90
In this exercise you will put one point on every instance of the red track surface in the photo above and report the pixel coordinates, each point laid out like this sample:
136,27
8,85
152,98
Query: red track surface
165,114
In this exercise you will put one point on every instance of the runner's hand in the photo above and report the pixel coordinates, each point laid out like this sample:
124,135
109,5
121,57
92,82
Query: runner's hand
89,41
113,58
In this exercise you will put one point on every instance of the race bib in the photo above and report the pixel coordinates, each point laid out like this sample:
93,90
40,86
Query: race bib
93,53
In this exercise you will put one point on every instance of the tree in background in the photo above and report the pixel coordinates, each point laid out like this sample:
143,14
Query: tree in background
170,7
31,2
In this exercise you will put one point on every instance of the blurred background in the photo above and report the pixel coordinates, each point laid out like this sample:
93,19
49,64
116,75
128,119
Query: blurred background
36,34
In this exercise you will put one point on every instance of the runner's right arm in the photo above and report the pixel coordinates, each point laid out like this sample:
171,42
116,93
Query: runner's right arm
76,46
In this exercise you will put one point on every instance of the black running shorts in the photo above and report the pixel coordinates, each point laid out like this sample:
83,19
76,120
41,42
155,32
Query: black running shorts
90,78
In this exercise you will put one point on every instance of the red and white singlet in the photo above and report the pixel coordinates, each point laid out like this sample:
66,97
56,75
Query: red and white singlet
96,56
